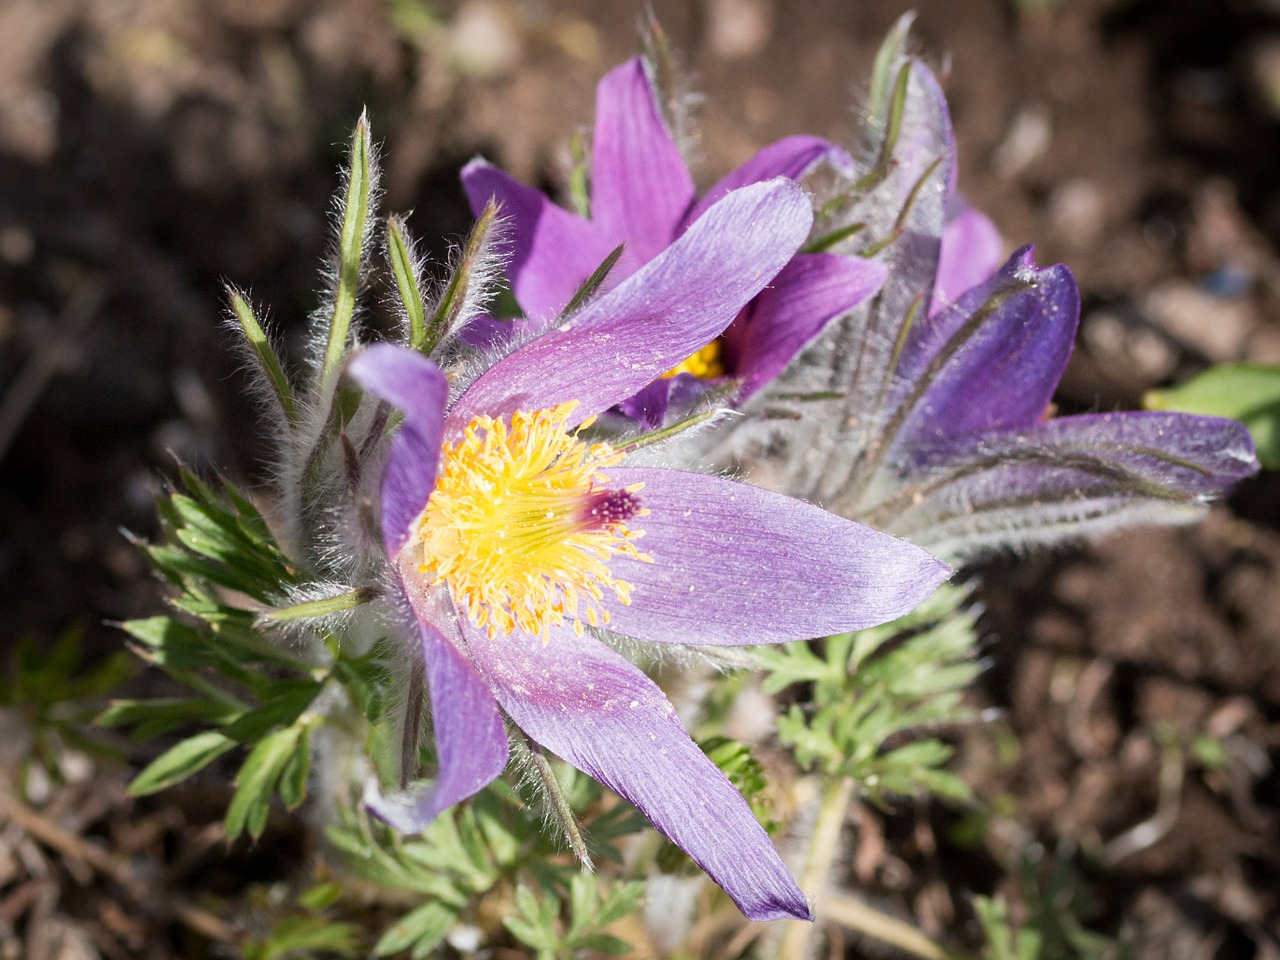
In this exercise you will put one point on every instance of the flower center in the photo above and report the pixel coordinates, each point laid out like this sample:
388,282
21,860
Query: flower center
520,528
706,364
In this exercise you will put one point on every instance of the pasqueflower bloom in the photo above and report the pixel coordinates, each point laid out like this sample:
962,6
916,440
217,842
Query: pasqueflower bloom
643,198
928,408
516,541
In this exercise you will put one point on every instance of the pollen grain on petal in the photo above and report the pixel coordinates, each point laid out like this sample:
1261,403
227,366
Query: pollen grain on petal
521,529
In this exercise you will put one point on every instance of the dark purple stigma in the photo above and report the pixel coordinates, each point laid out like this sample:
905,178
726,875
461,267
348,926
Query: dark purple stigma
611,506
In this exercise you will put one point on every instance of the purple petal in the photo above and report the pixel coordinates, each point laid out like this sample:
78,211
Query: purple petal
674,306
413,384
971,252
991,360
810,291
591,707
471,739
737,565
648,406
790,157
918,178
926,139
1068,477
640,187
552,251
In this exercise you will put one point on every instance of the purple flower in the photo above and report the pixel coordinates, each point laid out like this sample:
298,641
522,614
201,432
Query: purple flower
924,412
515,541
643,198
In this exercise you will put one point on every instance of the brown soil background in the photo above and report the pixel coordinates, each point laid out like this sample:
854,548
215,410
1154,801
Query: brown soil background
151,150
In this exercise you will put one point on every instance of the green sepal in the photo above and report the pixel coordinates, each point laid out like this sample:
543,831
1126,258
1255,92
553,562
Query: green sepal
832,239
265,355
459,288
351,240
592,284
404,267
891,52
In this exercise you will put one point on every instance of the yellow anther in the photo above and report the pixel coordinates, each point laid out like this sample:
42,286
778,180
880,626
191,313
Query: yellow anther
522,529
707,363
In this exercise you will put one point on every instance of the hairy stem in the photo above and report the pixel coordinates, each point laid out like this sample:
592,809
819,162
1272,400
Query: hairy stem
853,914
824,841
847,911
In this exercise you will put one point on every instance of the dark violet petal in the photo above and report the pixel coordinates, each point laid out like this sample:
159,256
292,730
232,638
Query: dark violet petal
971,252
583,702
484,331
790,157
648,407
673,307
640,186
810,291
735,565
552,251
1065,478
471,738
651,406
415,386
992,359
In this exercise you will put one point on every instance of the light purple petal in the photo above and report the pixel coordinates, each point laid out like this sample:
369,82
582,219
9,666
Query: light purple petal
971,252
640,187
673,307
414,385
552,251
471,739
1067,477
790,157
992,359
810,291
591,707
735,565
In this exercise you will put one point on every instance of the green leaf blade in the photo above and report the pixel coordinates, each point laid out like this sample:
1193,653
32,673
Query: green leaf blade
180,761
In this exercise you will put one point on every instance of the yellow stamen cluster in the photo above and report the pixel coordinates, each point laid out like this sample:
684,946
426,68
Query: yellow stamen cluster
520,529
707,363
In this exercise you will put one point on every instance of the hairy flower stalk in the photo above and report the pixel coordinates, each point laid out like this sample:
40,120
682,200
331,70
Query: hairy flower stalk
515,545
642,199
